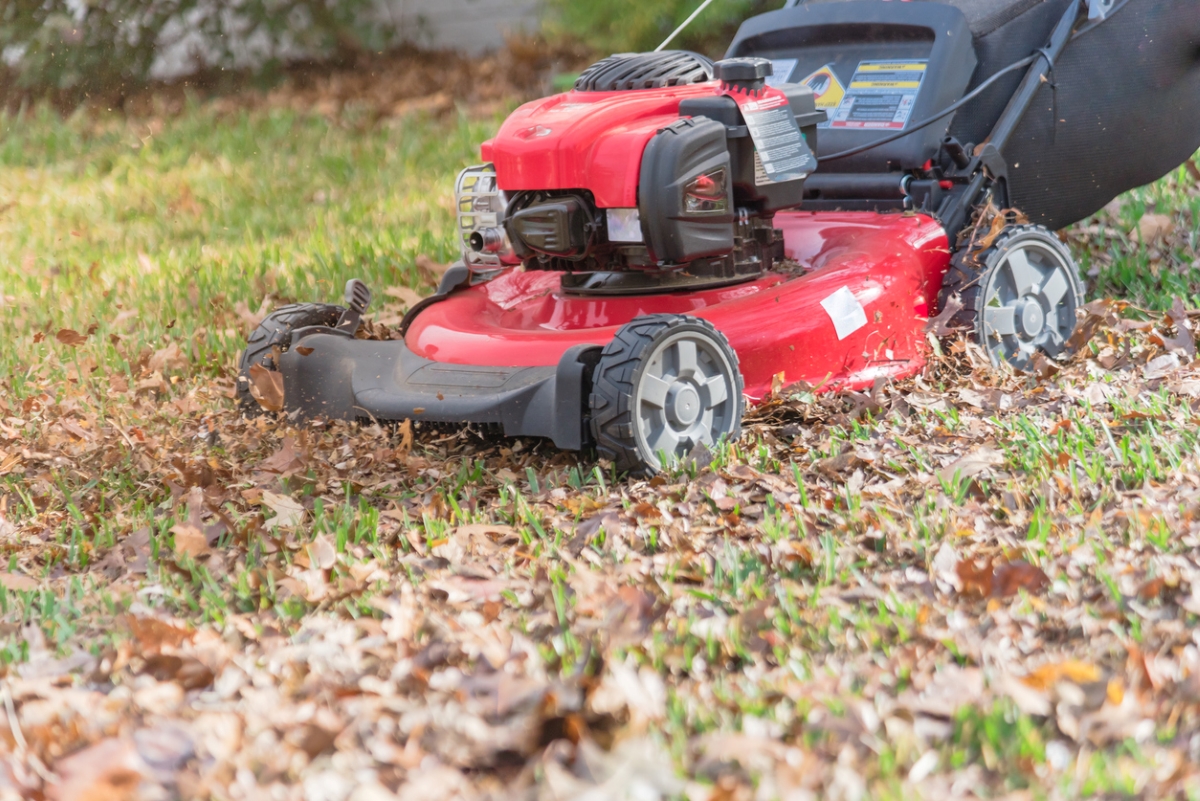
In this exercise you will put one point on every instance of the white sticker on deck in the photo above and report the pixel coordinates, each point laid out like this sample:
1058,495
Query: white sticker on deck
847,313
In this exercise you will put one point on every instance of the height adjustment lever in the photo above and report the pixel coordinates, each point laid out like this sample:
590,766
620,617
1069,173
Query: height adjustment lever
358,300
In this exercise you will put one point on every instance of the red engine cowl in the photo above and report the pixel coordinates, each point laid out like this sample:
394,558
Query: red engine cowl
585,140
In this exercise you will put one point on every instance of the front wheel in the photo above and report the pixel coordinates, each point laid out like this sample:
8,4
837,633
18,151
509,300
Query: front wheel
665,384
274,335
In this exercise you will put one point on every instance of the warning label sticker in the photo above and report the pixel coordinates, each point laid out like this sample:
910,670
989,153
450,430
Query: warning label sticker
881,96
781,149
827,90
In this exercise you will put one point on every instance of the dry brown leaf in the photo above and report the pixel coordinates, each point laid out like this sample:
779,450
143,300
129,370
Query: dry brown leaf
110,770
494,532
321,553
168,358
1003,581
1154,227
1184,340
71,337
17,582
190,539
972,464
186,671
284,460
432,268
289,513
406,440
835,466
152,634
1020,575
1047,676
1098,313
975,580
408,297
266,386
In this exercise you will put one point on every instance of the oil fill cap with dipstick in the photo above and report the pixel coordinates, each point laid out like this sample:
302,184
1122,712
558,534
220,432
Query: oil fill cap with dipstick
748,74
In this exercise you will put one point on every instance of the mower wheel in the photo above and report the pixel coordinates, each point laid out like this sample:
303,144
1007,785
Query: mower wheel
276,332
1018,297
665,384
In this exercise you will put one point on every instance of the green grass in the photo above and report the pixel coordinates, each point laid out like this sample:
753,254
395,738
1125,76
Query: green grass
104,216
145,234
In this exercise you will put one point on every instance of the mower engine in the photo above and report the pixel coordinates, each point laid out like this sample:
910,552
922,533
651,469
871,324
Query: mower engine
660,170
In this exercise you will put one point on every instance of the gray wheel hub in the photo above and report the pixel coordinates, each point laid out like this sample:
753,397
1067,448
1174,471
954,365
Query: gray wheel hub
1030,294
685,395
1033,319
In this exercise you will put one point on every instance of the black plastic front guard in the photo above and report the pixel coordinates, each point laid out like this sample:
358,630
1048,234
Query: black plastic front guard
335,377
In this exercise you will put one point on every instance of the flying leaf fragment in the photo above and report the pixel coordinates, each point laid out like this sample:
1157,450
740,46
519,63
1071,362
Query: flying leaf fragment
289,513
71,337
940,326
266,387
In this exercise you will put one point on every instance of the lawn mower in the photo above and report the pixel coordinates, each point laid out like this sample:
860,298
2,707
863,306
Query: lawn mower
644,255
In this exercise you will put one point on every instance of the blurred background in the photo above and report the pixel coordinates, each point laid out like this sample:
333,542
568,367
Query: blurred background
110,50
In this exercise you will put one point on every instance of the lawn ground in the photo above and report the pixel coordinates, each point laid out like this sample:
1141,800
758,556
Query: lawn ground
972,583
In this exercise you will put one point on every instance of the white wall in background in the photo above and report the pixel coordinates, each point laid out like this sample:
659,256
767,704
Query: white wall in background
471,26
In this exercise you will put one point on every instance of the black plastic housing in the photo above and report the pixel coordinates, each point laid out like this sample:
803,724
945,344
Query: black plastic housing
767,198
677,155
555,226
844,34
337,377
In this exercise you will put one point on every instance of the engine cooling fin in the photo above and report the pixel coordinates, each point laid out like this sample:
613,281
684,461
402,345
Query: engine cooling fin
631,71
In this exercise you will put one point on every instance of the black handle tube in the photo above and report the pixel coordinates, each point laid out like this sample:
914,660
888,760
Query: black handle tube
1021,101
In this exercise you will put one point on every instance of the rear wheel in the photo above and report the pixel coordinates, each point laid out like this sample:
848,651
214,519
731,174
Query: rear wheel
665,384
275,332
1019,296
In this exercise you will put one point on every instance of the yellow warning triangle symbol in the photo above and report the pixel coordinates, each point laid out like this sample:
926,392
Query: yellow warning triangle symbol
827,89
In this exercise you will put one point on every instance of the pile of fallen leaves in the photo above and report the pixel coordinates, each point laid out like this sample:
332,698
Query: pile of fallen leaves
930,589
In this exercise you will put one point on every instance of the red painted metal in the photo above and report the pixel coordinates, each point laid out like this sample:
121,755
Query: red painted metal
585,140
892,263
